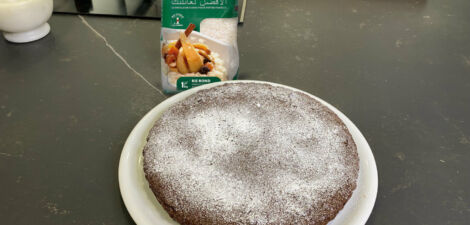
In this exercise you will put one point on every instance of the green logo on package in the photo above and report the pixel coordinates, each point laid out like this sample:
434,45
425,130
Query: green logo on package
185,83
178,14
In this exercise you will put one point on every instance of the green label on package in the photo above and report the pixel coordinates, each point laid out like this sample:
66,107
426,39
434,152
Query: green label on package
179,14
185,83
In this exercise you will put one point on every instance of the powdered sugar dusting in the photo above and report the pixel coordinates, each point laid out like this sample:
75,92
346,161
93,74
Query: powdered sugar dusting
252,154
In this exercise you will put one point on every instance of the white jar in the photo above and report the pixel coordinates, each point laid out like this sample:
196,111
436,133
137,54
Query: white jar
25,20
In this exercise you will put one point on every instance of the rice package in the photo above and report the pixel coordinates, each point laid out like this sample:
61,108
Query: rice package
198,43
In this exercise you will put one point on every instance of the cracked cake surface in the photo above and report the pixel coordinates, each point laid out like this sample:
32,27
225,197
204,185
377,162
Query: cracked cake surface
250,153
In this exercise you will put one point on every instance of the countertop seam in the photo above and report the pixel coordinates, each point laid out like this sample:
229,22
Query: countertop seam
119,55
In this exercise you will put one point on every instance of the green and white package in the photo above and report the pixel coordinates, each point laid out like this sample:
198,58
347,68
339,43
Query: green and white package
209,53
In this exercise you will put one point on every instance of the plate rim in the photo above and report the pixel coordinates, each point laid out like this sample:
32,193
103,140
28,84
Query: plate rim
146,122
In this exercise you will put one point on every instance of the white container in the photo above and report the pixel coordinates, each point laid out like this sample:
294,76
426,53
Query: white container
25,20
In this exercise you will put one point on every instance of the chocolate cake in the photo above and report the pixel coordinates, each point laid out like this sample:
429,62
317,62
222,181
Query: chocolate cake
250,153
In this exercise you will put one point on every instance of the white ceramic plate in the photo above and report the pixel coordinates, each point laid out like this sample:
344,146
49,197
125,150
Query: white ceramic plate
145,209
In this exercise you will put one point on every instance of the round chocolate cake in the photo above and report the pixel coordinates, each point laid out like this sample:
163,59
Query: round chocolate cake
250,153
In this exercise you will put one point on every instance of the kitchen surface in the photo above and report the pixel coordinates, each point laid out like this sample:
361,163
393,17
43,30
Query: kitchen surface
400,70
